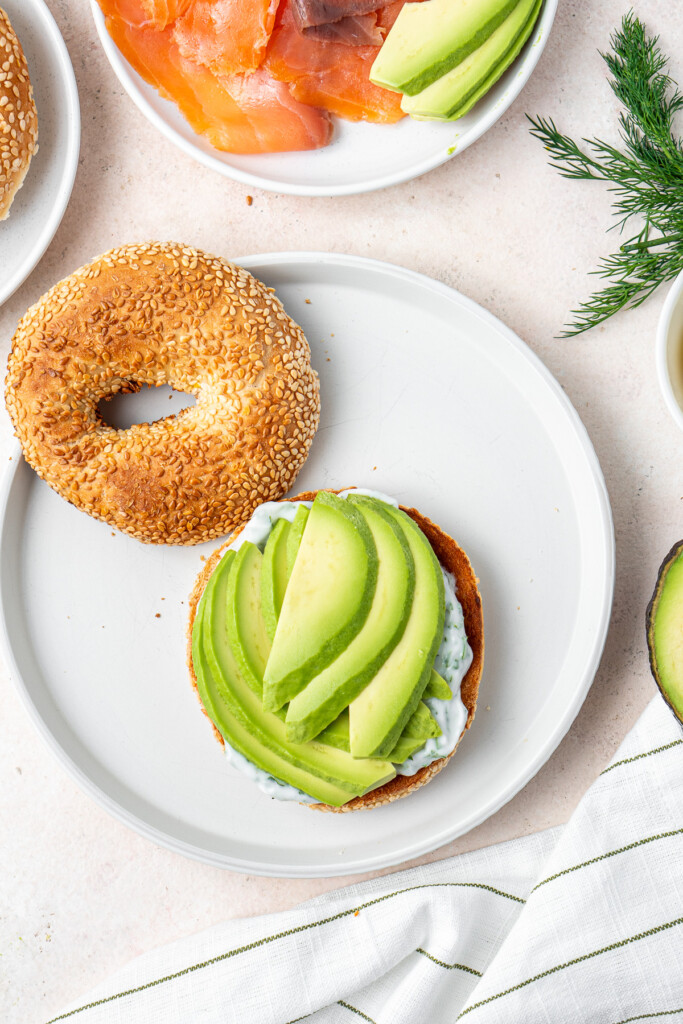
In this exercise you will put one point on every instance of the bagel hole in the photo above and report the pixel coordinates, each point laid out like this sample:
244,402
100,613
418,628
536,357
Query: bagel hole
145,406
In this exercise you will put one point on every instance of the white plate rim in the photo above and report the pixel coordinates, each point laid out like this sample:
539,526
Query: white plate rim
418,848
72,117
128,79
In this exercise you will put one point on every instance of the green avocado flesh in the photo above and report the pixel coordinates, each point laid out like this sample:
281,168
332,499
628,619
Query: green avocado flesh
327,601
452,95
437,687
274,575
330,692
665,630
380,712
295,534
242,739
323,772
430,38
420,727
246,629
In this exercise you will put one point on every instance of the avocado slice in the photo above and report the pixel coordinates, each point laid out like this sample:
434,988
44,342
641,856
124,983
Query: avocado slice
320,762
378,715
246,627
429,39
327,600
337,733
664,620
333,689
420,727
452,95
295,535
240,738
437,687
274,575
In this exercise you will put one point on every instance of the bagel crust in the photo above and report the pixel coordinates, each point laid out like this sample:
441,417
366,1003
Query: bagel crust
18,117
454,560
158,314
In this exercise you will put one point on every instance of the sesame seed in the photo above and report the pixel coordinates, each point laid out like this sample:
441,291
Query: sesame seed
18,118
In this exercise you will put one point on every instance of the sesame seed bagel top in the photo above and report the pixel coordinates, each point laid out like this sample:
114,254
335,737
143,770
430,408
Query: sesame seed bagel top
18,118
164,314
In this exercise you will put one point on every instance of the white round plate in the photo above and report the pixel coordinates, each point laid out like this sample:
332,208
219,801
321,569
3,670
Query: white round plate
39,205
425,396
361,157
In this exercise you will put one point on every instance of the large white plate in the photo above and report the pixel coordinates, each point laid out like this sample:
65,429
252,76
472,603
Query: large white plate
361,157
40,203
425,396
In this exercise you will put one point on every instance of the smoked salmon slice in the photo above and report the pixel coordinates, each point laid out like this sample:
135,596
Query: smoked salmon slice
228,36
156,14
239,113
162,13
329,74
389,13
253,75
356,30
311,13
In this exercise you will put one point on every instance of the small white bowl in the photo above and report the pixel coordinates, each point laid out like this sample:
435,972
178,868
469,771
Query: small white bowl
670,351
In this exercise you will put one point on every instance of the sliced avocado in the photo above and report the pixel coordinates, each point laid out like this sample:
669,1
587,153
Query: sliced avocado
455,93
337,733
333,689
378,715
437,687
664,621
429,39
241,739
295,535
420,727
274,574
321,762
246,629
327,600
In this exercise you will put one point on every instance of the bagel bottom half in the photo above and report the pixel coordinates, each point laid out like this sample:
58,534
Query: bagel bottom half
455,561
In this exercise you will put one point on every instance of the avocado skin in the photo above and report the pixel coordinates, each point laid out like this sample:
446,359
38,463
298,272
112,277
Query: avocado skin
670,560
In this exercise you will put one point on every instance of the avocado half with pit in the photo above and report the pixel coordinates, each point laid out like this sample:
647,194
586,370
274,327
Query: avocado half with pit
664,621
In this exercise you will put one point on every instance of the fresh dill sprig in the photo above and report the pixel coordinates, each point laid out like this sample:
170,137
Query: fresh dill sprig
646,177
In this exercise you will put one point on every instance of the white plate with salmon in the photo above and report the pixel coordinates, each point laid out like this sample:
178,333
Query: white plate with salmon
271,94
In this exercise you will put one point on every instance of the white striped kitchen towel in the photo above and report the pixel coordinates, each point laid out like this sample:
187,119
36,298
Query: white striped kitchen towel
578,924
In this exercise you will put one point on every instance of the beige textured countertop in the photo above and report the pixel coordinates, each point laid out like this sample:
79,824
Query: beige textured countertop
80,894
